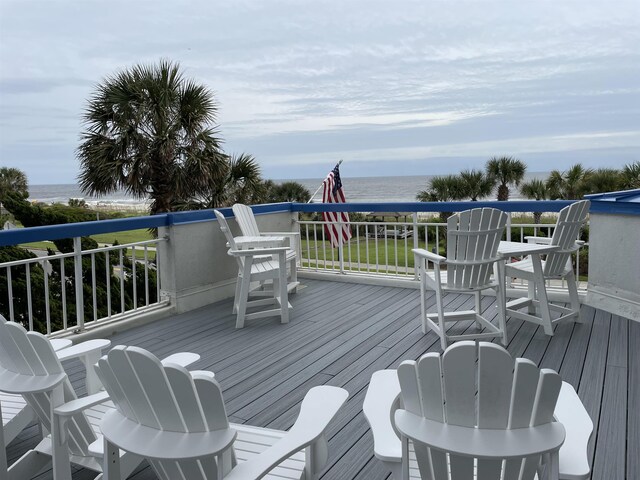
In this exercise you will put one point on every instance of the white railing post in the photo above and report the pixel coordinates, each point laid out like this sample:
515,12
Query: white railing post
509,226
416,239
340,249
77,262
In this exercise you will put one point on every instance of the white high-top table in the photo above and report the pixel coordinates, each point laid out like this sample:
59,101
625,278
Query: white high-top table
535,251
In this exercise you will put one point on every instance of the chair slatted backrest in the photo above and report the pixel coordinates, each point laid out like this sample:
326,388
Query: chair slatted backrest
473,237
510,395
246,220
31,354
165,398
224,226
570,220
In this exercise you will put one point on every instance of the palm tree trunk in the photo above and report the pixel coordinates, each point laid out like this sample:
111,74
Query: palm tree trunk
503,192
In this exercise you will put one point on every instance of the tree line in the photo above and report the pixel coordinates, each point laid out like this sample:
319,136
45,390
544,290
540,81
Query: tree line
502,173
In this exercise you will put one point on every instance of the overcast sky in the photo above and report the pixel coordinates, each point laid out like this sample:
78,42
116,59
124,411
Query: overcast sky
392,87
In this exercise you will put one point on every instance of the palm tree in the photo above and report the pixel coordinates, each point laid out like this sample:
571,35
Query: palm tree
151,132
476,184
239,182
631,176
445,188
13,180
567,185
535,189
287,192
507,171
602,180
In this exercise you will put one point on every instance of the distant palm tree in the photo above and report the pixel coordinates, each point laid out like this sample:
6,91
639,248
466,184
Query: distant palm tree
631,176
535,189
476,184
151,132
507,171
287,192
445,188
567,185
13,180
602,180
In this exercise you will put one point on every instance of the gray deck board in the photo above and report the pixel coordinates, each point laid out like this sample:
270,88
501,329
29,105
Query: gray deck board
339,334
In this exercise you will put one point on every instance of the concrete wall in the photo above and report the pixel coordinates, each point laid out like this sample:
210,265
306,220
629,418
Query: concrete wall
195,268
614,264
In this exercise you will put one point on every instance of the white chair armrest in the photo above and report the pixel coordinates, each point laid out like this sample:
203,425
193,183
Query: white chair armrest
83,349
184,359
261,241
432,257
574,458
539,240
281,234
481,442
81,404
60,343
258,251
319,407
382,398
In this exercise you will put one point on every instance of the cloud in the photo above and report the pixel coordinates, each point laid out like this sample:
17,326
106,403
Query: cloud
301,80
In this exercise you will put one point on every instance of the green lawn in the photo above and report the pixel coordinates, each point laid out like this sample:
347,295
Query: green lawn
128,236
386,254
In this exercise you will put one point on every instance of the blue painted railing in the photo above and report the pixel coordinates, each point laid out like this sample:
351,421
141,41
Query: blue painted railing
70,230
411,207
77,230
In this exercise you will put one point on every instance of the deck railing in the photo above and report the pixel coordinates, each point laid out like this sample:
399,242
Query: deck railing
384,247
81,289
125,277
78,290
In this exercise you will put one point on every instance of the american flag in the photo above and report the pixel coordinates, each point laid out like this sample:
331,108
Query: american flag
337,226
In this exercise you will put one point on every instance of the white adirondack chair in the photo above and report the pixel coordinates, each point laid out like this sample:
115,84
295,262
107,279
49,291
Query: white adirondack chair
177,421
474,412
473,237
557,265
15,412
249,227
258,265
30,367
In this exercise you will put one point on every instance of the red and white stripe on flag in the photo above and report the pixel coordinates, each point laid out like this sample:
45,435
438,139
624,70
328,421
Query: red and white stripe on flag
337,227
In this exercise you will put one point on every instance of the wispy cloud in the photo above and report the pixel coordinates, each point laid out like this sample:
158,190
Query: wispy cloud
297,81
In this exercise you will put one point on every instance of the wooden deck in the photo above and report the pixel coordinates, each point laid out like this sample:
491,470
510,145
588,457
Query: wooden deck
340,334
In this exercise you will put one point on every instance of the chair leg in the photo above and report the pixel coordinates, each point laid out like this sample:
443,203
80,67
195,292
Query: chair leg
111,461
572,286
282,284
441,323
237,295
3,451
244,293
545,313
423,303
59,445
502,301
294,273
531,295
478,302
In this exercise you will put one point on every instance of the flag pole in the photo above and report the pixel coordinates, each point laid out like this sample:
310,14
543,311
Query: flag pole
316,192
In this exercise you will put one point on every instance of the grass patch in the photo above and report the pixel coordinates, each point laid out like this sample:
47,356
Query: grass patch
128,236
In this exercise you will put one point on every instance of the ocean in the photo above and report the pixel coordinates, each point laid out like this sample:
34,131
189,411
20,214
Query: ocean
357,189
